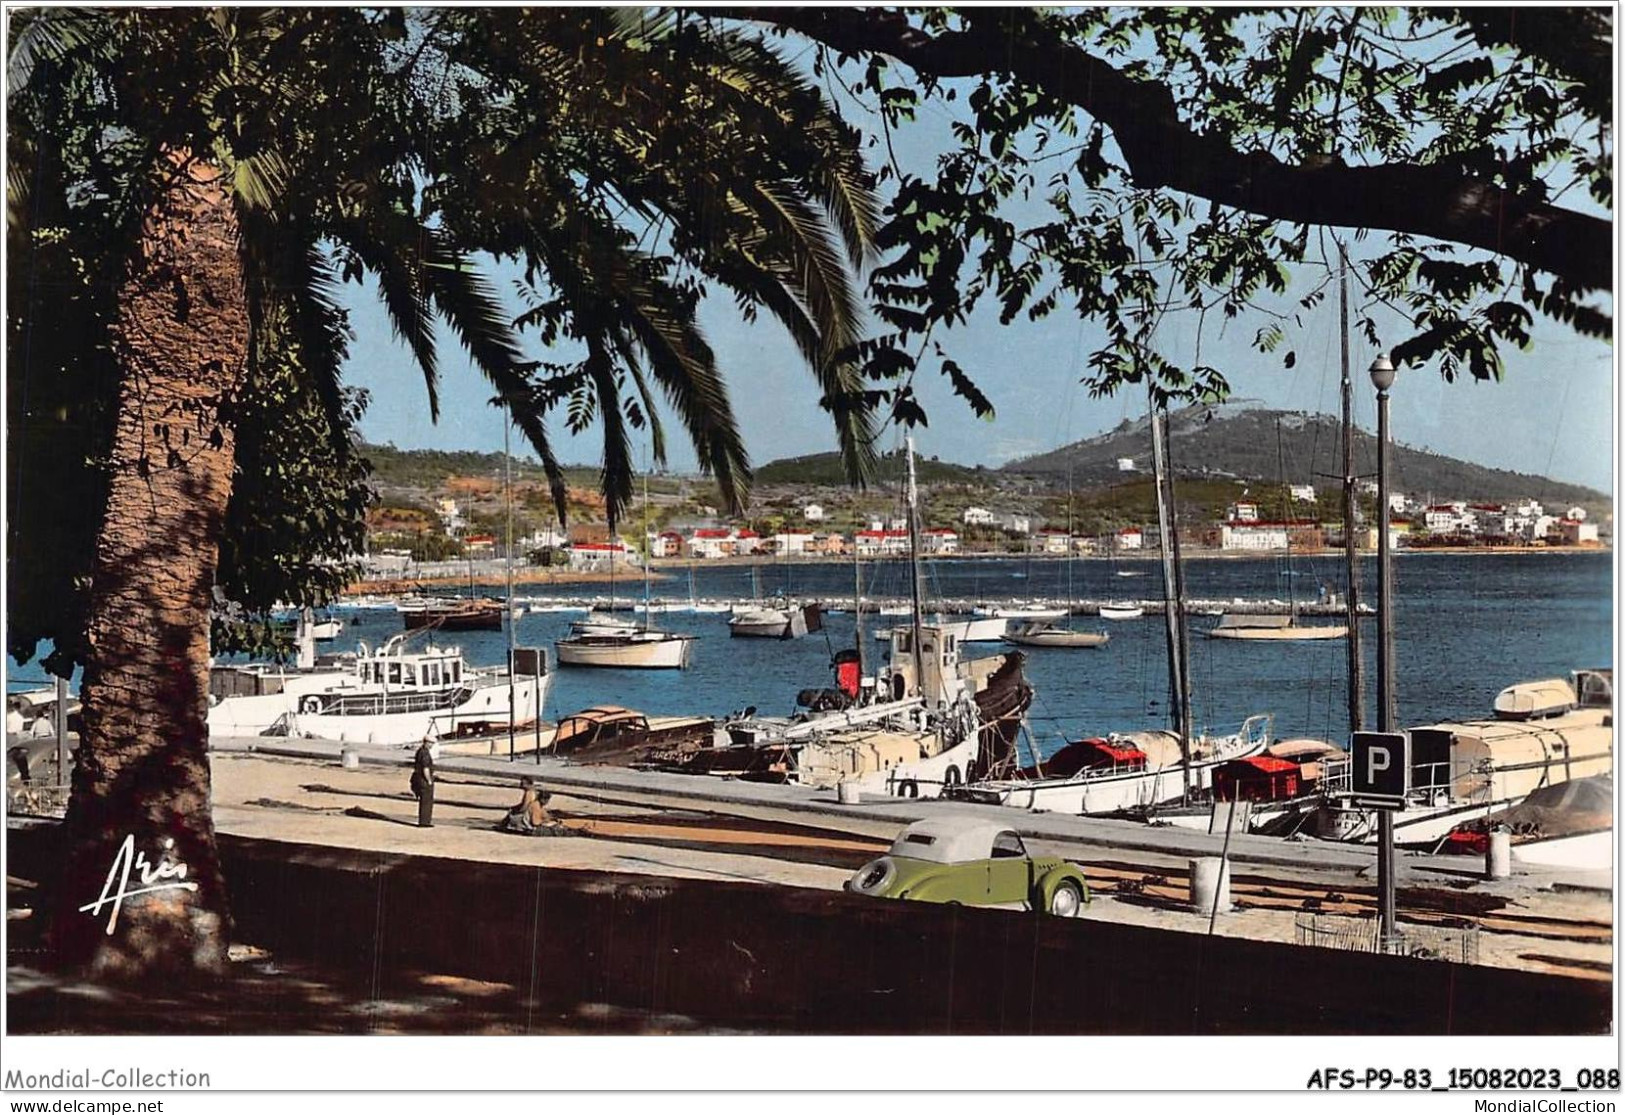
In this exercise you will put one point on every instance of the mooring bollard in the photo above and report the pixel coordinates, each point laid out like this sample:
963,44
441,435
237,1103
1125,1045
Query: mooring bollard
1210,883
847,793
1498,859
350,758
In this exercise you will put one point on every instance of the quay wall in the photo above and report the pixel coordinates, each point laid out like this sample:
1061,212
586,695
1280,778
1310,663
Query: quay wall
741,955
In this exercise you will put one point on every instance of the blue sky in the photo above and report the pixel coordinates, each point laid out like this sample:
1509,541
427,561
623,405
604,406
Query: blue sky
1552,414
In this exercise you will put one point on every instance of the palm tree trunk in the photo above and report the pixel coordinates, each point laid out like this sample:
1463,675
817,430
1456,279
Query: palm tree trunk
141,778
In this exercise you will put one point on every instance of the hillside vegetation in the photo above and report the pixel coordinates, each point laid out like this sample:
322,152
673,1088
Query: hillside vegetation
1267,447
825,469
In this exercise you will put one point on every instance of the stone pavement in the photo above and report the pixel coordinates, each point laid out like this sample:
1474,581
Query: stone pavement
678,826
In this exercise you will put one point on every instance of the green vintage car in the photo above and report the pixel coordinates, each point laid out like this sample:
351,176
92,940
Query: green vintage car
971,862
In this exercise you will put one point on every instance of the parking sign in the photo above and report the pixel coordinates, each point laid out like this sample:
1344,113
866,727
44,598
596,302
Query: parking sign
1382,768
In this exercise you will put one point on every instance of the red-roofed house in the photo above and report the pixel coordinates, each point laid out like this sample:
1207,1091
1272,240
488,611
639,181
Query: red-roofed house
939,540
599,556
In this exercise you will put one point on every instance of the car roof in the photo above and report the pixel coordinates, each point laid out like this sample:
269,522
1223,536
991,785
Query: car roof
948,839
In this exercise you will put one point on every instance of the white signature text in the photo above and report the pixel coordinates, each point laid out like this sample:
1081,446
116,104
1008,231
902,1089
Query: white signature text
152,877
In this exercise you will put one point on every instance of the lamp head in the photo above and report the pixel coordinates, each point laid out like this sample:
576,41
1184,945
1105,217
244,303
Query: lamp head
1382,372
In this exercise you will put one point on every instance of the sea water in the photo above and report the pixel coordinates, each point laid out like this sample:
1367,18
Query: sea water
1467,625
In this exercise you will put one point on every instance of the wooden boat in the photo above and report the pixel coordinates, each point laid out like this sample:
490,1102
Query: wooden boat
613,736
1274,629
1037,634
453,614
623,647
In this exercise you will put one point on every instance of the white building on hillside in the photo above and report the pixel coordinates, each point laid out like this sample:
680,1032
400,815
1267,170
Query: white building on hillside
977,517
1252,534
813,512
1447,518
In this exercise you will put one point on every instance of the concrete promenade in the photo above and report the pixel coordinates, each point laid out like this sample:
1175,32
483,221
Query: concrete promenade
676,826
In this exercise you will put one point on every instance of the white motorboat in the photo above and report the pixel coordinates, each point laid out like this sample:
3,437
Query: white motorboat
790,622
1121,611
391,696
1035,633
326,630
1121,771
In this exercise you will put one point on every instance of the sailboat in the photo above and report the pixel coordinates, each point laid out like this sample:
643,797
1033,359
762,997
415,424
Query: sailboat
763,621
612,643
1277,628
1120,609
1036,632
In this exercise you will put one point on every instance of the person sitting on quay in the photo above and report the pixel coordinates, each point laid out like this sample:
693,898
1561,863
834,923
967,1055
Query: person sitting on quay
530,816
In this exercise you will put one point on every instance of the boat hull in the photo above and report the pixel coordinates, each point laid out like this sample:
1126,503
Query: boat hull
1062,639
662,654
768,624
1110,792
484,709
1297,633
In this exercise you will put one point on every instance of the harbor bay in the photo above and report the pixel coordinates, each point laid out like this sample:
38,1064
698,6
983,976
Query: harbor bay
1468,626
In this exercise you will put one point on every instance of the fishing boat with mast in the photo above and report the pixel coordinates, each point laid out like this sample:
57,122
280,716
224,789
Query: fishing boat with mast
926,722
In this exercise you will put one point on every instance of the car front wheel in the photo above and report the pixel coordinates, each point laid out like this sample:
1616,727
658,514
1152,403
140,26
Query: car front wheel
1066,901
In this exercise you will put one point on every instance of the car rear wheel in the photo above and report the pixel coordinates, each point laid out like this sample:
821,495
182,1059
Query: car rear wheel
1067,900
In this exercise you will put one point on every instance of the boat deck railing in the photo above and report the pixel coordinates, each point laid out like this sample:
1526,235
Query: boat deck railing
1337,777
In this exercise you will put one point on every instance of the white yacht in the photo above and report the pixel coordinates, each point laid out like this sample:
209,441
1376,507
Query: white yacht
391,696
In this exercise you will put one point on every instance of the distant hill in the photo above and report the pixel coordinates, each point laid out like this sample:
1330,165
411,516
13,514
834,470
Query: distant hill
431,468
824,469
1240,442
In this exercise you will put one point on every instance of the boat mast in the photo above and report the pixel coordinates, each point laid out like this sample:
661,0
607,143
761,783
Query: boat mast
1173,605
1182,640
857,602
1351,553
648,550
507,496
914,563
1286,492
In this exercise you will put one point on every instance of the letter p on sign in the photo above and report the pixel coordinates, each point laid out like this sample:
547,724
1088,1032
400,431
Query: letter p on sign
1382,767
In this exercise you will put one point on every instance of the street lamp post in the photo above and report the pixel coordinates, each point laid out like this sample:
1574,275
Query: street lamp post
1382,378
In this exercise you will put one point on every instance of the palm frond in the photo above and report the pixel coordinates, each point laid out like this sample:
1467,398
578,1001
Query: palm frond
260,182
615,477
46,35
391,246
468,302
